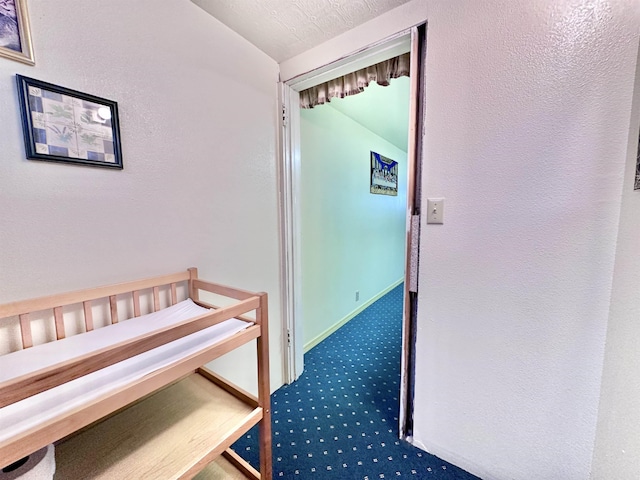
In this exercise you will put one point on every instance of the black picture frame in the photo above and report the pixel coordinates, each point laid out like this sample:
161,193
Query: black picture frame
64,125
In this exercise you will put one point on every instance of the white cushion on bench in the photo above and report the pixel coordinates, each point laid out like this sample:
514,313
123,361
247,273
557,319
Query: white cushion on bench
20,416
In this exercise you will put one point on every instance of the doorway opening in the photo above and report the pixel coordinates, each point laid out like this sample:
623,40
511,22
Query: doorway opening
353,191
325,212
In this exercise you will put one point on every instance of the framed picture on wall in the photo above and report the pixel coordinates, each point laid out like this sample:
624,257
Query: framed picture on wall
384,175
15,35
63,125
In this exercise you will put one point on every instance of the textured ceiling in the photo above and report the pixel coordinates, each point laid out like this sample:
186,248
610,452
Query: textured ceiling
284,28
383,110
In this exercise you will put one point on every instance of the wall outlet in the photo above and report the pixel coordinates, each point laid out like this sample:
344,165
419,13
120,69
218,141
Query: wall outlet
357,295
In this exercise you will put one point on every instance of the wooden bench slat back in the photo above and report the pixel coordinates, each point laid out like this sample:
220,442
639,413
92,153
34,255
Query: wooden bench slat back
88,315
57,315
70,298
25,331
156,299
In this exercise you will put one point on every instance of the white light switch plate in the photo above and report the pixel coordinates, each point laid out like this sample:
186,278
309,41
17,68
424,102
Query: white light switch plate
435,210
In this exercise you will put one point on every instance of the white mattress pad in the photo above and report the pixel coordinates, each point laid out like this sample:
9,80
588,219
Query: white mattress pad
25,414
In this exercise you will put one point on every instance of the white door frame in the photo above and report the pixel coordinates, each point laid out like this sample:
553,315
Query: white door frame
291,269
290,194
414,170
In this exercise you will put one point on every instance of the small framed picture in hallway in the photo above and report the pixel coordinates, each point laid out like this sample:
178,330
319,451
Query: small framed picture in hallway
384,175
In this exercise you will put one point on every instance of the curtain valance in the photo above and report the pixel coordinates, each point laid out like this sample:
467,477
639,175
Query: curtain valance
356,82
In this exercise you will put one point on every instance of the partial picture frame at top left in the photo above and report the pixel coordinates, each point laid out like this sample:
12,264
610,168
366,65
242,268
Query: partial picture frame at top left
15,33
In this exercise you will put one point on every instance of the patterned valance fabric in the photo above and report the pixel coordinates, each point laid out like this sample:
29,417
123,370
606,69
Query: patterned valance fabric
355,82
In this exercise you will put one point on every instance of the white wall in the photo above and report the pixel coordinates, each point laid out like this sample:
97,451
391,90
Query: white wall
197,112
528,112
526,138
351,240
617,442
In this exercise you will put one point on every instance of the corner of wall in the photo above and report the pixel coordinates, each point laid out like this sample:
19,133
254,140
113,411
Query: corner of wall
617,444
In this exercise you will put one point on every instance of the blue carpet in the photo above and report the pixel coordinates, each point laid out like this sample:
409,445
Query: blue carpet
339,420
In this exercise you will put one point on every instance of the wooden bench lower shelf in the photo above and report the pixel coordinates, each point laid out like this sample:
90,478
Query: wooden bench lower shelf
172,434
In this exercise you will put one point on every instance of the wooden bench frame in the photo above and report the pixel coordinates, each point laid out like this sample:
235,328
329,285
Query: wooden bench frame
25,386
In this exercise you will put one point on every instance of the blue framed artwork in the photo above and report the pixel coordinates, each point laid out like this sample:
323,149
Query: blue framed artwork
384,175
63,125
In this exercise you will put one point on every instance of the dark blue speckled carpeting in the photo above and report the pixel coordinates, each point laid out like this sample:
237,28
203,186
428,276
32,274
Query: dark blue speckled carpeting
339,420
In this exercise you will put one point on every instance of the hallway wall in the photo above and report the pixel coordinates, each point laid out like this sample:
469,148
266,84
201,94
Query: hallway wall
351,239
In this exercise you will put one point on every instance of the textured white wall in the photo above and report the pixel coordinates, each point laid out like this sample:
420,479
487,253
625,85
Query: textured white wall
528,112
197,112
528,115
617,450
351,239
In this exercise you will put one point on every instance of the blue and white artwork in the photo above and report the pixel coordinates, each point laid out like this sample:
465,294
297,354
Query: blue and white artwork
384,175
70,127
64,125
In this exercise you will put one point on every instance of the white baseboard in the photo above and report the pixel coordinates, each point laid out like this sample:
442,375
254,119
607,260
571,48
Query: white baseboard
312,343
